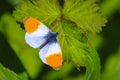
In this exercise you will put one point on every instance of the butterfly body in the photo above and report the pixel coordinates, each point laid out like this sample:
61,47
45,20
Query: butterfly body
39,36
50,38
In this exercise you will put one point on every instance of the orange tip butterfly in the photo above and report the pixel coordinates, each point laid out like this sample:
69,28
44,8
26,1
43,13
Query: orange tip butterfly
39,36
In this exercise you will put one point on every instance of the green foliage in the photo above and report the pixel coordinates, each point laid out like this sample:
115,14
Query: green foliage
109,7
6,74
26,54
44,10
112,67
96,41
93,66
75,20
85,14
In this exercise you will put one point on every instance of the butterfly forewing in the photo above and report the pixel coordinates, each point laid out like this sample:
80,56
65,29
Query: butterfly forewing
36,34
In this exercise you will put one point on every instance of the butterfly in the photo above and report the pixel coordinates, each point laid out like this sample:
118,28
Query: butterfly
39,36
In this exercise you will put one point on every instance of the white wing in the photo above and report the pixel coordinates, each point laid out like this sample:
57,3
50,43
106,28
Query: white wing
43,53
41,31
38,37
34,41
52,48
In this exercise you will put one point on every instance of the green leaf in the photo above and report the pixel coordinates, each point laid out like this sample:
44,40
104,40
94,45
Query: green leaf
93,65
6,74
75,20
86,14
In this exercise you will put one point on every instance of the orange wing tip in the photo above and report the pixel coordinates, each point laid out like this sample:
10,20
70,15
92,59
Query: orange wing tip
31,24
55,60
57,68
25,19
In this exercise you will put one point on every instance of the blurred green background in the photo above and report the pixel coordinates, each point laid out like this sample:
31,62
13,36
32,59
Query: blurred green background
16,55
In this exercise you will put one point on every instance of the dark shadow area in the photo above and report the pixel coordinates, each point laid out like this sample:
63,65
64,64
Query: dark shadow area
76,73
21,25
45,70
8,57
61,2
5,7
111,35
